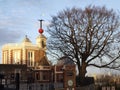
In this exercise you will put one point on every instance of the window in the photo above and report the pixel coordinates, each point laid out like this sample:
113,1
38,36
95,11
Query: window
30,58
43,44
16,56
5,57
37,76
45,75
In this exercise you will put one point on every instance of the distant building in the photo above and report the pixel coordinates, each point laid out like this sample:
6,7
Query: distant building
65,60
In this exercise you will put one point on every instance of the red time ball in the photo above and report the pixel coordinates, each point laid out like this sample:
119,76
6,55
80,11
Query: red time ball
40,30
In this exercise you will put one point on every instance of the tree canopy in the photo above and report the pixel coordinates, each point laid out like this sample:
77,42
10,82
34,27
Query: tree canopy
90,37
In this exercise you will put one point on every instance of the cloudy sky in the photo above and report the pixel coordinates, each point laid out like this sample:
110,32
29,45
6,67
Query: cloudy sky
20,17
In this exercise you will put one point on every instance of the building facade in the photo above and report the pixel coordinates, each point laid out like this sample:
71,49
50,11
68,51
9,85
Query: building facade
25,52
33,66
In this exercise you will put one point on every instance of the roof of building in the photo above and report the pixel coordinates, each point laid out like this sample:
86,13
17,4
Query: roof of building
26,39
44,62
41,36
65,60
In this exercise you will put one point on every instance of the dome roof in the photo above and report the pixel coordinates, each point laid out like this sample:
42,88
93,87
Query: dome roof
65,61
26,39
41,36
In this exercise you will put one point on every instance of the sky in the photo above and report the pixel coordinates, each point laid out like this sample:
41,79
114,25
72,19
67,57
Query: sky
20,17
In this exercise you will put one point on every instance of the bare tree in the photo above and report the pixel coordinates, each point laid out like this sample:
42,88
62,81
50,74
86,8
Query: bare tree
90,37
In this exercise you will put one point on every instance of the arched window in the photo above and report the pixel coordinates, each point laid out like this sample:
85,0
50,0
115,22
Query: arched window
43,44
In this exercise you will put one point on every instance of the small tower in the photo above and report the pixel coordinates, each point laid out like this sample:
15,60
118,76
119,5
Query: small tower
41,39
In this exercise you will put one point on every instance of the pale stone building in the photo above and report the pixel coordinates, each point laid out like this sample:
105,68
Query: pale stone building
26,52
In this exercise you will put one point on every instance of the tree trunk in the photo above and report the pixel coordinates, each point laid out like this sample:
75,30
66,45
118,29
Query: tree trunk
82,72
82,69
